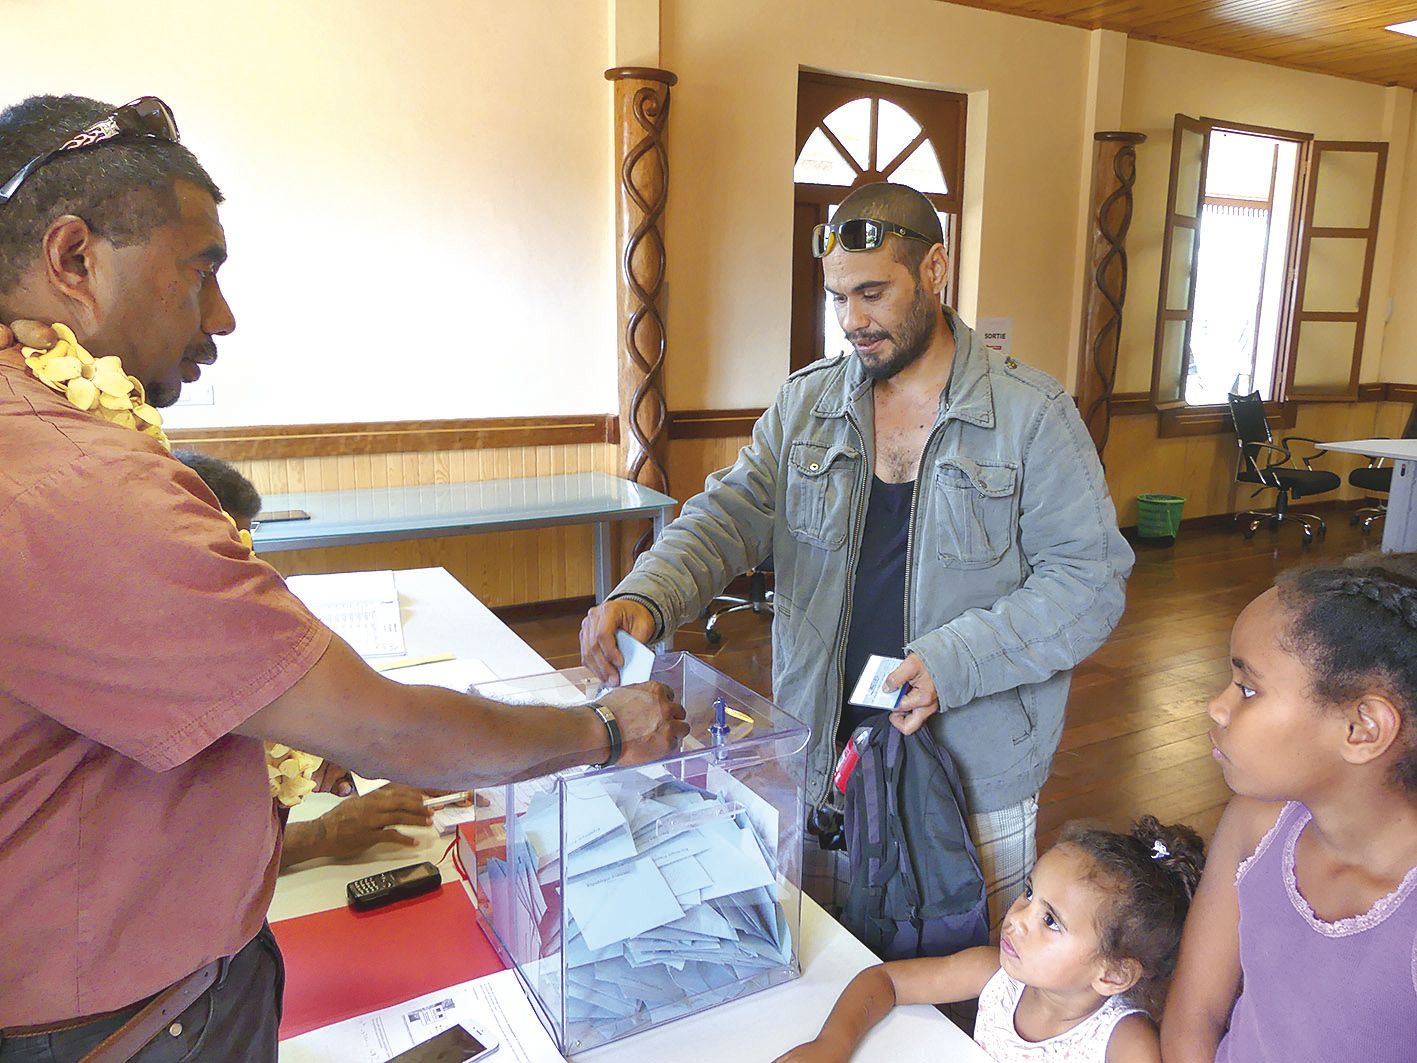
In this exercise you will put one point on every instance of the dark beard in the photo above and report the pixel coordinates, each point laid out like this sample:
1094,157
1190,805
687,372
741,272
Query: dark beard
160,395
915,334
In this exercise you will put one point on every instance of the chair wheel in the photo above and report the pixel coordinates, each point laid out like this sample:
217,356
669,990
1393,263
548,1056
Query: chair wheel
1248,532
1323,531
1308,539
714,636
1353,521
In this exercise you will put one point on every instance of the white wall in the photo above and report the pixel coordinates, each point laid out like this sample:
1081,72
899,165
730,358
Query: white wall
416,210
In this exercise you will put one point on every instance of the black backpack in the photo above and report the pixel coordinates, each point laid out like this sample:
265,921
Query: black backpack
916,886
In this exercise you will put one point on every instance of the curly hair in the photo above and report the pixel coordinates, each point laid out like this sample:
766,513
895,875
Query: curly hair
123,188
1354,626
1149,876
237,495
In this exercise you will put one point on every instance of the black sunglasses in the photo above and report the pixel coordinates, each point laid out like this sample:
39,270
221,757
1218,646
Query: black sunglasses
146,116
860,234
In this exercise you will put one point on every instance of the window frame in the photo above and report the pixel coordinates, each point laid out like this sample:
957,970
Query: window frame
1176,417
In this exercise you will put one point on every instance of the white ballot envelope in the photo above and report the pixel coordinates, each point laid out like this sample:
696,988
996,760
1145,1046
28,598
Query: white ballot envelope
869,693
639,659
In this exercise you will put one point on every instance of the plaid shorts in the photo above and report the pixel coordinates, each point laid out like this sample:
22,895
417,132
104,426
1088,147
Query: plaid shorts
1007,841
1008,848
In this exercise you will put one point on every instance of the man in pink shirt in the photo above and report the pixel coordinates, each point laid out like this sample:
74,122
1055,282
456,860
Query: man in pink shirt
148,655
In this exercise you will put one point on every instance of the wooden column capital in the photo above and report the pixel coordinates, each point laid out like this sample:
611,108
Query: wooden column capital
641,73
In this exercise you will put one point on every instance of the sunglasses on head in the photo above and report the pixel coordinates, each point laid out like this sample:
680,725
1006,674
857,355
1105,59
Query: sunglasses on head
146,116
859,234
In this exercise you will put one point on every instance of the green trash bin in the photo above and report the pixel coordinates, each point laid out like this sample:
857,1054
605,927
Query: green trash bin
1159,518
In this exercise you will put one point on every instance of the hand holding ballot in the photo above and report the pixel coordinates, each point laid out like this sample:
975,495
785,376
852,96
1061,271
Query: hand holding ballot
599,649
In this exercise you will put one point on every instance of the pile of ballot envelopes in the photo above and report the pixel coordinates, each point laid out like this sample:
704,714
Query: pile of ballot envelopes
670,894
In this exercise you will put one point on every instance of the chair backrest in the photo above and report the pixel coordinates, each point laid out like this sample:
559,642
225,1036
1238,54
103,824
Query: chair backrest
1247,411
1251,426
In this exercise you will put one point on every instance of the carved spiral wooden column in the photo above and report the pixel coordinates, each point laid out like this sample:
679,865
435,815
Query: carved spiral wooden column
1114,173
642,118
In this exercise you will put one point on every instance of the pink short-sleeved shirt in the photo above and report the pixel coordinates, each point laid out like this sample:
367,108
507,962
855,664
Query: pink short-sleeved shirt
138,840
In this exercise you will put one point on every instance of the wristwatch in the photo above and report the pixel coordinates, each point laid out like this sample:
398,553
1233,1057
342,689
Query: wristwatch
612,728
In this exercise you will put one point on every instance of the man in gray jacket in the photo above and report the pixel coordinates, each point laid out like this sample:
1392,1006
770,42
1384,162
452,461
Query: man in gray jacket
926,499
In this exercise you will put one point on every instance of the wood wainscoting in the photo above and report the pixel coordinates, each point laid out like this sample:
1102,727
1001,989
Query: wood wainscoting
1201,468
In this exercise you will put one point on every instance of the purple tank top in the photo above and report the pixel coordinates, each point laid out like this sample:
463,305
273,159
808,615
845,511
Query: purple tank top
1344,991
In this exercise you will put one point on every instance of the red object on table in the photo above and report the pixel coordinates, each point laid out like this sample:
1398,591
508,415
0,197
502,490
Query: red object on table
342,963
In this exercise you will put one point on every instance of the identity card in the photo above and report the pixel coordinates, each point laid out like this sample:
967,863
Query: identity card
869,693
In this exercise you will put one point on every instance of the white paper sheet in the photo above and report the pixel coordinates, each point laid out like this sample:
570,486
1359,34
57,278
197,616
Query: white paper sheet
495,1004
360,607
639,659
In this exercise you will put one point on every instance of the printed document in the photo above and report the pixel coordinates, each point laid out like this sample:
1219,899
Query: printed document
496,1004
360,607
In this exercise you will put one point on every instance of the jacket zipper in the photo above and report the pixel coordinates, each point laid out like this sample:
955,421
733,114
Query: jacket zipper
910,525
852,549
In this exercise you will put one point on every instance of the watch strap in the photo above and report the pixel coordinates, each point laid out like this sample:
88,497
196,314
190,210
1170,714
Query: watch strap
612,728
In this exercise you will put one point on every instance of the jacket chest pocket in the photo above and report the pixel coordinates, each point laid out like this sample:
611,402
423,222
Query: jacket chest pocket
820,479
978,506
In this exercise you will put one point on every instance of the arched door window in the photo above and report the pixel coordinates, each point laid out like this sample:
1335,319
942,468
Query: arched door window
852,133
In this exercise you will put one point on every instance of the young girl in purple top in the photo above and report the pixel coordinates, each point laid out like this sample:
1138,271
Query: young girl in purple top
1302,941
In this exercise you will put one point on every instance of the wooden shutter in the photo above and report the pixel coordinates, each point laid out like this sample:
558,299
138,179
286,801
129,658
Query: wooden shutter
1180,251
1333,274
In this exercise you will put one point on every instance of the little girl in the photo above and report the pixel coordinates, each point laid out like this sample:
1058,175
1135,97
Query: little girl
1302,944
1088,947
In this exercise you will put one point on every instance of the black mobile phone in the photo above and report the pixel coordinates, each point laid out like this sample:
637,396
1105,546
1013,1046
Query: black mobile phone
274,516
454,1045
389,886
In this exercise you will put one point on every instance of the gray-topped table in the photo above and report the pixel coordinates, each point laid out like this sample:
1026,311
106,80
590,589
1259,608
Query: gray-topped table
388,514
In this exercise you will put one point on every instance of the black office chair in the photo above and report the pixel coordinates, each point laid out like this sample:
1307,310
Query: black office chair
1261,461
1375,479
759,600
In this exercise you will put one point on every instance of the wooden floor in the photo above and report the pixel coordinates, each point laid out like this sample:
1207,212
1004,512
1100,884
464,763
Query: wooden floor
1135,740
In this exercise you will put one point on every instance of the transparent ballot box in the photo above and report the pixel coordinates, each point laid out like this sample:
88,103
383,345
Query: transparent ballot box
629,896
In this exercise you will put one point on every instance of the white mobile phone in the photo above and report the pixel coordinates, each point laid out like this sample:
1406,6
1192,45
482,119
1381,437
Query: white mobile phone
457,1044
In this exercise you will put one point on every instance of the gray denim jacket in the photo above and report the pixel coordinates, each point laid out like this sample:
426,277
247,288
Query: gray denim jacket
1015,573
